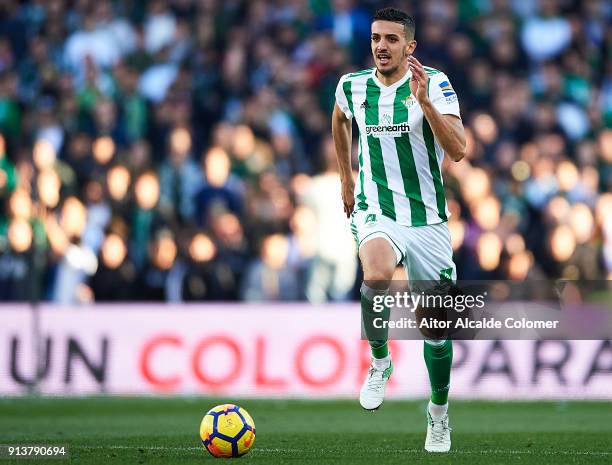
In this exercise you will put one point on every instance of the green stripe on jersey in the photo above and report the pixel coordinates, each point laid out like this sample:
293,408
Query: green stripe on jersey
348,93
435,169
385,196
412,187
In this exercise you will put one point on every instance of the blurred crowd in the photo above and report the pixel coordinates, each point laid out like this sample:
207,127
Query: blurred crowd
180,150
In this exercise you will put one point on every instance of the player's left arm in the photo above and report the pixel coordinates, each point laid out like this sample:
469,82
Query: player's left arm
447,128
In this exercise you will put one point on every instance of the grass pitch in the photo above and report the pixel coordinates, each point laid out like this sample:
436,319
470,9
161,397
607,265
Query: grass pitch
158,430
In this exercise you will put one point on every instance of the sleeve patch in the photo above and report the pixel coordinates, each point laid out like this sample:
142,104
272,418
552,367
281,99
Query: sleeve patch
447,89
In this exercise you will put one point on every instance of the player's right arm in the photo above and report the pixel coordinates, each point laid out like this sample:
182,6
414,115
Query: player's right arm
342,128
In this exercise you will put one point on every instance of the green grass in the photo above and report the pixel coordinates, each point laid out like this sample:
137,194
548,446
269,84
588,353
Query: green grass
107,430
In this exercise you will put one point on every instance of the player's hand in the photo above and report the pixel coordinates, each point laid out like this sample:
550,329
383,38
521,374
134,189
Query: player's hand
419,81
348,197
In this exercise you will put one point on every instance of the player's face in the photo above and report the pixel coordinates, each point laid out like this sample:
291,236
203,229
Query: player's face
390,48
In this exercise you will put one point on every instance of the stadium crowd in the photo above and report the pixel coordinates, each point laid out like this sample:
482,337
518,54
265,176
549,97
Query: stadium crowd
180,150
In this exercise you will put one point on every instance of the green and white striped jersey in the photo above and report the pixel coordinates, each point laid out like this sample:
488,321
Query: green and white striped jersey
399,158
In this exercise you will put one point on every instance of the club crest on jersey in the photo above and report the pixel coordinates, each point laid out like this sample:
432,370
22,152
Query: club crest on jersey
409,101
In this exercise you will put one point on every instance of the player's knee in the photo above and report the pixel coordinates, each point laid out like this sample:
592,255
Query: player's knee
378,277
378,270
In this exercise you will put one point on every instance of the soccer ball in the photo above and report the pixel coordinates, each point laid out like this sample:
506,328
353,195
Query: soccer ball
227,431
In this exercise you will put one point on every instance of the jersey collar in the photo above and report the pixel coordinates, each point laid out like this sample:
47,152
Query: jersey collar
395,85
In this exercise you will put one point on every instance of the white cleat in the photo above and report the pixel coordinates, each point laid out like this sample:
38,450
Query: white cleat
372,392
438,434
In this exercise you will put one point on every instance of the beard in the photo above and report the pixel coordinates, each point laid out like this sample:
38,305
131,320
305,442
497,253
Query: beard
393,70
389,71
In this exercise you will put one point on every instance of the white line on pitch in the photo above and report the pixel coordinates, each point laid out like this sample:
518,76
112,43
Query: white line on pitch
409,451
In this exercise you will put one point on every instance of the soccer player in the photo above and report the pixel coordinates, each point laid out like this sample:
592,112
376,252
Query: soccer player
408,117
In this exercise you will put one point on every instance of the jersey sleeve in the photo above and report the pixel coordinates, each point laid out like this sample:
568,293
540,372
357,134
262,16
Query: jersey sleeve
342,98
442,95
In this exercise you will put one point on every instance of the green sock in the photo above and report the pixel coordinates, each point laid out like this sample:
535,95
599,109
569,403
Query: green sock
377,337
438,359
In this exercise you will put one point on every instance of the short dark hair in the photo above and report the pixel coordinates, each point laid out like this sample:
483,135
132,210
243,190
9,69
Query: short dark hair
397,16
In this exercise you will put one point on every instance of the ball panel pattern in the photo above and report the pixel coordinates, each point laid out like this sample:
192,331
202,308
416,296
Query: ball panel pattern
227,430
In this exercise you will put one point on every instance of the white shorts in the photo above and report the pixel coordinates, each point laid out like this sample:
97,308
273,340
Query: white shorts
425,251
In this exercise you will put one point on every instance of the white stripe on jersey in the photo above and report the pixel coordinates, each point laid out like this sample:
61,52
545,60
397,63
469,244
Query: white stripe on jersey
428,191
391,162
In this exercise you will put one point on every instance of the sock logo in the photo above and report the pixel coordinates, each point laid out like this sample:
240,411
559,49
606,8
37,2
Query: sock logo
441,388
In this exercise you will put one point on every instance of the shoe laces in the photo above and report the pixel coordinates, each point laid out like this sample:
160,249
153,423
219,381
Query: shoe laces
439,428
375,379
